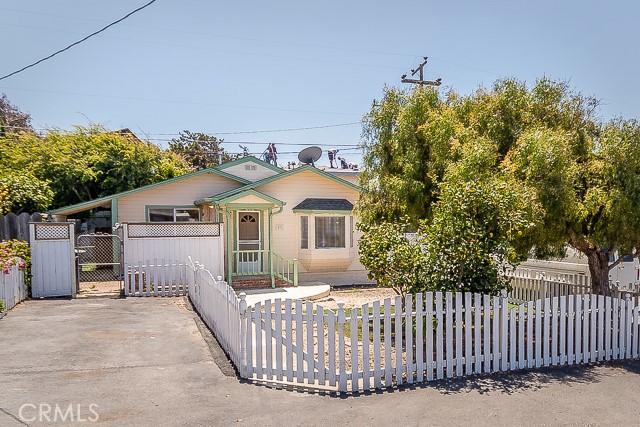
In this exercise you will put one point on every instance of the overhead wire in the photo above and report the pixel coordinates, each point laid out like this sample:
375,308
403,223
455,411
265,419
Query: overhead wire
59,51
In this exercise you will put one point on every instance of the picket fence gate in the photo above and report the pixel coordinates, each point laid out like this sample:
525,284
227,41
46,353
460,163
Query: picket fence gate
155,278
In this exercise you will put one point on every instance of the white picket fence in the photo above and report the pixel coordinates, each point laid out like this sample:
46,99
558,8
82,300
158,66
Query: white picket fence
440,336
156,278
531,285
220,308
12,287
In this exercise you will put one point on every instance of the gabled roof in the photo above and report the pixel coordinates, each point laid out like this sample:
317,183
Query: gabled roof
283,174
79,207
246,159
222,199
314,204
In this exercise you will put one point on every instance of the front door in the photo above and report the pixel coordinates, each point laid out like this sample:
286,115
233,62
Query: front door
248,258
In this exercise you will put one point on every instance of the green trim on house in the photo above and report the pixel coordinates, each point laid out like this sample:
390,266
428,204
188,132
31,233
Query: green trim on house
229,248
114,211
147,207
254,206
322,212
284,174
246,159
246,192
97,202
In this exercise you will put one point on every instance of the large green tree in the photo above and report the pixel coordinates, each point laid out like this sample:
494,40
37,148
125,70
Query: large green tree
546,173
199,149
82,165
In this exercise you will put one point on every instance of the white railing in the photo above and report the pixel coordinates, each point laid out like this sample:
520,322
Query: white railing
220,308
531,285
155,278
12,287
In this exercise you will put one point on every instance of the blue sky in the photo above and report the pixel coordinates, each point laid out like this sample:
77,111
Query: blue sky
240,66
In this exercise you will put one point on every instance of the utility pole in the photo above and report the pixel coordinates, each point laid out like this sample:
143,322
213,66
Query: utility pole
420,80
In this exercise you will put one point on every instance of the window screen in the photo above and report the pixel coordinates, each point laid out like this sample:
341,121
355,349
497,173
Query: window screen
304,232
330,232
174,214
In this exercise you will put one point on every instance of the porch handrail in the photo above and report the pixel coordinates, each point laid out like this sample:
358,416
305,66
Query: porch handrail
284,269
258,262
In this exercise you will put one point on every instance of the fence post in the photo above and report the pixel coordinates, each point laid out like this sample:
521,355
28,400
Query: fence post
342,381
243,335
295,272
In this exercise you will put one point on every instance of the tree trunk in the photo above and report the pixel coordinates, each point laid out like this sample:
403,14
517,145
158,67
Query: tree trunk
599,269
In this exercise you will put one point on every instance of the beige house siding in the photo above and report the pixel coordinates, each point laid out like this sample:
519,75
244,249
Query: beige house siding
246,170
286,225
131,208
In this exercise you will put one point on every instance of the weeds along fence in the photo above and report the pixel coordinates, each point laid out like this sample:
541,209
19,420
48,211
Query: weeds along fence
156,278
12,288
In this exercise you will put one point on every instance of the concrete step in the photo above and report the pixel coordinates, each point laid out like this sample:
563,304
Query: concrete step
256,282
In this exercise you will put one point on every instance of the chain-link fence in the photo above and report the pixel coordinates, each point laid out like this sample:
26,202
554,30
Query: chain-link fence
99,261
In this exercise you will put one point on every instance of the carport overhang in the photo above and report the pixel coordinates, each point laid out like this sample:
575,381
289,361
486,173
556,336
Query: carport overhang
103,202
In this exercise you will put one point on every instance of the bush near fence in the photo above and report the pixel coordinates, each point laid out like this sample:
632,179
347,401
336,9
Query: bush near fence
420,338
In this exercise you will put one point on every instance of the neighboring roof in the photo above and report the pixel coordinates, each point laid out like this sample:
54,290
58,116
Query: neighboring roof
79,207
245,159
281,175
324,205
226,199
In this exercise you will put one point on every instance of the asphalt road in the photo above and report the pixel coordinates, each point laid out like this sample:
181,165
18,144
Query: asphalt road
146,362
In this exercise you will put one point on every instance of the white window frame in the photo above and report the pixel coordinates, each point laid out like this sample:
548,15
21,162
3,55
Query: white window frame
344,230
177,207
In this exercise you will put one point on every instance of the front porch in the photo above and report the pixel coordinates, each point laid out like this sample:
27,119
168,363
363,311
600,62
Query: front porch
250,260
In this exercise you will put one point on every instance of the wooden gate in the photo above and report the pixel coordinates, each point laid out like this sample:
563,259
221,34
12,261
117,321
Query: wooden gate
52,259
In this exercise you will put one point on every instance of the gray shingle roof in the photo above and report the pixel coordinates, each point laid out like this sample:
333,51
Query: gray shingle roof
325,205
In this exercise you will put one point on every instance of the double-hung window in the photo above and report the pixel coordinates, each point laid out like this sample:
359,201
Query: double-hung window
177,214
330,232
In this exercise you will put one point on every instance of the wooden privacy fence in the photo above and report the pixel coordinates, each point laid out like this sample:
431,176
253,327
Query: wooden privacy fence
12,287
155,278
14,226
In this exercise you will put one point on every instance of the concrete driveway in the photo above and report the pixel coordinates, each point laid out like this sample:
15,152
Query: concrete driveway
145,362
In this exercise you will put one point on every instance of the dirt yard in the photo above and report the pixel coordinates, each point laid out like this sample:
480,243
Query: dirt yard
355,297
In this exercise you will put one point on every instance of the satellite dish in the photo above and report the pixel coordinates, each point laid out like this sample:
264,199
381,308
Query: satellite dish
310,155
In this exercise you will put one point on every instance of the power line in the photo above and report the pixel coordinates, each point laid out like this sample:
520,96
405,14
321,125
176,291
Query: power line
244,132
276,130
78,42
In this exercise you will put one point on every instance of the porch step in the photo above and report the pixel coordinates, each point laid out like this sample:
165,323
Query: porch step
256,282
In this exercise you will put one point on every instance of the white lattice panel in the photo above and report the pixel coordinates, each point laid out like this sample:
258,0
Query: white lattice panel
46,231
189,229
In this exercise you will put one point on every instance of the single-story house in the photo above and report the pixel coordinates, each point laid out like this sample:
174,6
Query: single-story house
268,213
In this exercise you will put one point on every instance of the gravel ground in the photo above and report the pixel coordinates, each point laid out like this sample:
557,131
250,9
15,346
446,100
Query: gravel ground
355,297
